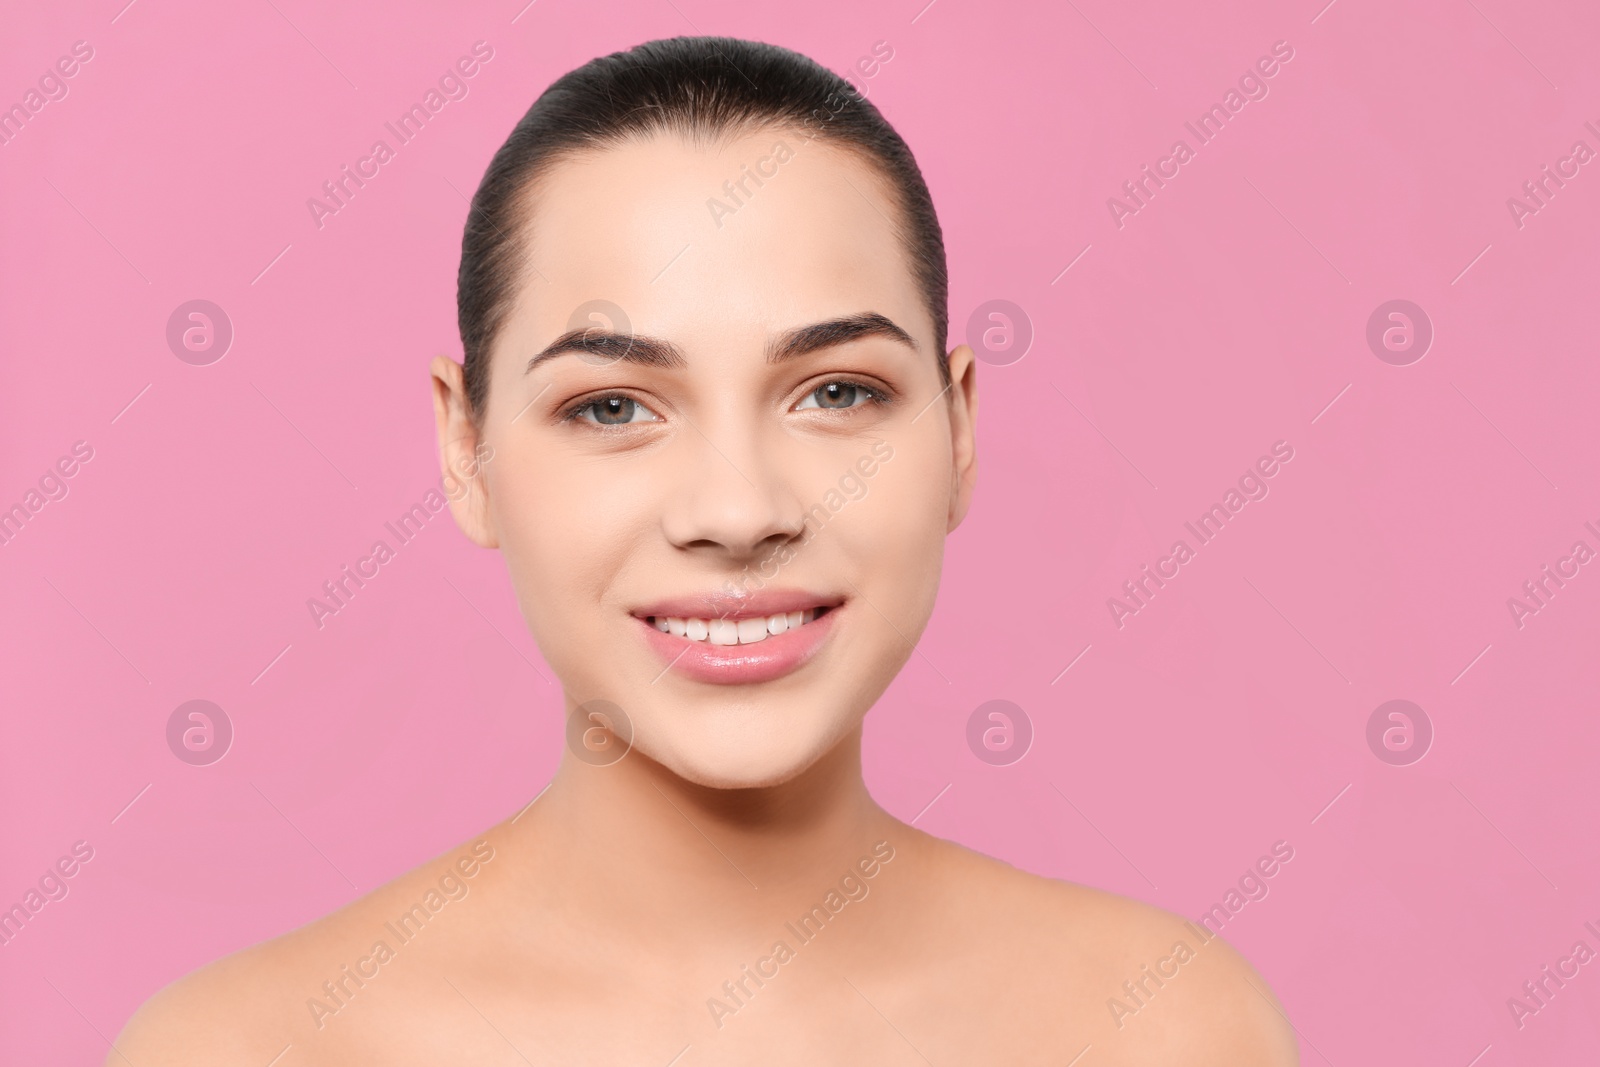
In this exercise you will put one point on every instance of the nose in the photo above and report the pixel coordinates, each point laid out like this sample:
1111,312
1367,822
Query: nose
733,498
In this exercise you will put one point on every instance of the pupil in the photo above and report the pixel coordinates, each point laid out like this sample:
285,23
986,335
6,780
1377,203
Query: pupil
836,395
614,410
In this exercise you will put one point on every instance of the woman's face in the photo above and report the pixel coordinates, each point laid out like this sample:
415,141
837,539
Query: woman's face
723,459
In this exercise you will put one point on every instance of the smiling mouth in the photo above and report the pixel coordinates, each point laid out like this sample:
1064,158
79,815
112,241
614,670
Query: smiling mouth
747,631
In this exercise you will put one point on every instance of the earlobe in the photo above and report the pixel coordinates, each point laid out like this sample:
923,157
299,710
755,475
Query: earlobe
463,454
963,432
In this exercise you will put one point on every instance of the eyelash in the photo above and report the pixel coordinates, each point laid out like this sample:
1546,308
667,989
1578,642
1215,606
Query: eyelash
573,413
876,395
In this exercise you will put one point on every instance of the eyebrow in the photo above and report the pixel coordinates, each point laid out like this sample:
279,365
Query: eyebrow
611,347
819,335
653,352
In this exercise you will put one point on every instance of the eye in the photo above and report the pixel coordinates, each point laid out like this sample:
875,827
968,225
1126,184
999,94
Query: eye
615,410
837,395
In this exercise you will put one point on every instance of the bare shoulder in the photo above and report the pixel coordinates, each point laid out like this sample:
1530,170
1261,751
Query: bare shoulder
223,1012
1135,983
251,1006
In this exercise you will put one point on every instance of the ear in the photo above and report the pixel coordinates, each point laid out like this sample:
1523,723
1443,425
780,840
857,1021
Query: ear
963,432
463,452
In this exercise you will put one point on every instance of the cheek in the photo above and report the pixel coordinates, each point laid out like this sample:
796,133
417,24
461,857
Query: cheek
564,535
897,538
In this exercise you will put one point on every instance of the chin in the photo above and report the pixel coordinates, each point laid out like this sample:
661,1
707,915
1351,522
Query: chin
743,755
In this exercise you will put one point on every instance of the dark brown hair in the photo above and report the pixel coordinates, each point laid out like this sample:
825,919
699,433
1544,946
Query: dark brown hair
696,87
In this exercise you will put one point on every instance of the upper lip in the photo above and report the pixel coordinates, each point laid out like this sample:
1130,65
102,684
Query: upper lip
761,604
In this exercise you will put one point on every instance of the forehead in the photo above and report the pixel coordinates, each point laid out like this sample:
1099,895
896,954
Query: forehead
718,242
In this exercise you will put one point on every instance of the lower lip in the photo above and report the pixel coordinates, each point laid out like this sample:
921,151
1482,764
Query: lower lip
767,659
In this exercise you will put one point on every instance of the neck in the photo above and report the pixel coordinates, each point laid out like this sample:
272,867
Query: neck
636,839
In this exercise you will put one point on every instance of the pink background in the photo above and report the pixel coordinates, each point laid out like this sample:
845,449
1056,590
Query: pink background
1223,317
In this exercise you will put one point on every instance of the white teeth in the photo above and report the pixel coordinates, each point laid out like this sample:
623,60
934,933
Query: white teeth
734,631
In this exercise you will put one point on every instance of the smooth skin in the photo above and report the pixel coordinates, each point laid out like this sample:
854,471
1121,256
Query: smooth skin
615,907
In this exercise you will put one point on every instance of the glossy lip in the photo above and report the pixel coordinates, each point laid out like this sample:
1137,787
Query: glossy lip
764,661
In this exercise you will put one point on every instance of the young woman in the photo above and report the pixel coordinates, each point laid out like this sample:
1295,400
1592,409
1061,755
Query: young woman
711,422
